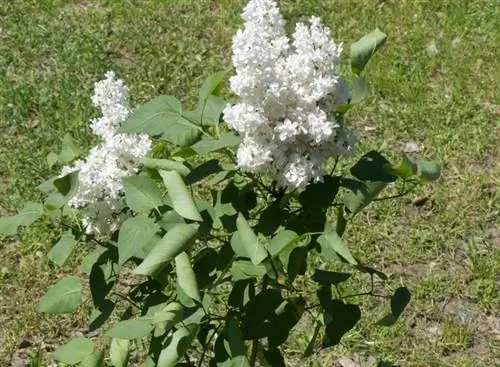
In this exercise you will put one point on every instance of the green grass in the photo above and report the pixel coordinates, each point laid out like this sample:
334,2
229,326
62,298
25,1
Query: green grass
447,251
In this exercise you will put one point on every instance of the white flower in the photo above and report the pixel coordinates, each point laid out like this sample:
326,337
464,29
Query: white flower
111,96
254,155
288,130
101,174
289,91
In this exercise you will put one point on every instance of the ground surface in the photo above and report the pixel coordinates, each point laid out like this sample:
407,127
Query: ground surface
446,106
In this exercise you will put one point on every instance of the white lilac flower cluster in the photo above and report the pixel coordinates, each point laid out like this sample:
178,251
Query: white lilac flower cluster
289,92
100,175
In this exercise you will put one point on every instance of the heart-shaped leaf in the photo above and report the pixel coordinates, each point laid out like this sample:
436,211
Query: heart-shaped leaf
177,345
30,213
343,318
141,193
60,252
64,297
134,233
75,351
162,116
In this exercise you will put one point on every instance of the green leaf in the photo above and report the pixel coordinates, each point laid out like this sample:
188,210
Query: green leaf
225,257
177,240
271,218
146,248
246,244
207,113
67,185
212,84
69,151
363,195
95,359
235,346
141,193
177,346
359,90
186,279
165,164
399,301
169,316
373,166
312,342
30,213
64,297
185,152
204,170
330,277
118,352
131,329
320,195
341,221
101,314
284,241
52,159
62,249
101,280
242,291
274,358
208,145
213,110
259,313
170,219
331,239
428,171
75,351
363,50
296,262
89,260
373,170
134,234
47,185
182,200
291,251
243,269
407,168
162,116
230,349
221,176
204,266
288,314
343,318
54,201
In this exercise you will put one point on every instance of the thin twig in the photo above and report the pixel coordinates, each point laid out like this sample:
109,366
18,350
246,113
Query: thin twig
125,298
188,361
255,343
205,347
253,356
403,193
335,165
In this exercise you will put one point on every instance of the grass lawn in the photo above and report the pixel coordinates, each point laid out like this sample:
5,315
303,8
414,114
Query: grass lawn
447,251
